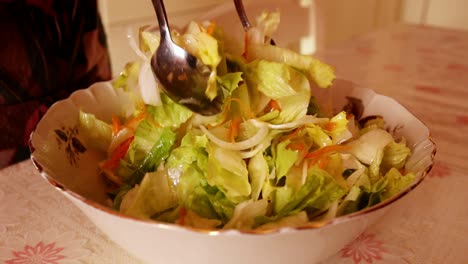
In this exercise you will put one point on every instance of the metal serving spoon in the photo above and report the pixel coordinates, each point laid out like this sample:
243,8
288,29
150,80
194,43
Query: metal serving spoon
243,17
183,77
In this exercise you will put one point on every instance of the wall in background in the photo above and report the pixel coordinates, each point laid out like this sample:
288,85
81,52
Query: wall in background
441,13
343,19
336,20
121,16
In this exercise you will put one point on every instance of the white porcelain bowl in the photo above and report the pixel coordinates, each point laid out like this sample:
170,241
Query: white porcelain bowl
62,159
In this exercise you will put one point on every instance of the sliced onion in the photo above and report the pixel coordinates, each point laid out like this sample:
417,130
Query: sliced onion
256,35
134,46
246,144
353,178
121,136
272,174
259,148
305,169
331,212
149,89
199,120
308,119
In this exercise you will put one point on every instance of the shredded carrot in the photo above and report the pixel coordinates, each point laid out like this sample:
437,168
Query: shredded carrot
402,171
199,26
299,146
329,126
182,214
323,162
118,153
246,45
315,155
242,106
234,128
133,122
210,28
273,105
112,177
227,107
294,133
235,99
116,125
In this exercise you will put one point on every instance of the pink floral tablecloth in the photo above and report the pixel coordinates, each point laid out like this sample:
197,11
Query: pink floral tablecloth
424,68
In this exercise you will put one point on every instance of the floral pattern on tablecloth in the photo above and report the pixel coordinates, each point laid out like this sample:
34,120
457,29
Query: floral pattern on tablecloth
403,234
424,68
372,248
12,209
46,246
366,247
37,225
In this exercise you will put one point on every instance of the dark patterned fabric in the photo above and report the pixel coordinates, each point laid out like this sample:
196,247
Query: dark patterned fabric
48,49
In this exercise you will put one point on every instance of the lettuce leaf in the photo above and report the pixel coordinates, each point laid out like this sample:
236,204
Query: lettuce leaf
318,192
395,155
318,135
97,132
367,146
148,40
194,220
128,78
280,82
271,78
153,195
150,147
169,113
376,122
268,23
147,134
230,81
339,131
188,166
245,214
284,158
374,167
315,70
397,182
228,171
258,173
292,107
365,194
287,221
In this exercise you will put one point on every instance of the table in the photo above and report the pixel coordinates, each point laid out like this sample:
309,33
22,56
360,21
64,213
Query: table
424,68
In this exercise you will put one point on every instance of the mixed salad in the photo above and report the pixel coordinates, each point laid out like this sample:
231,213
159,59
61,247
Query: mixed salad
271,158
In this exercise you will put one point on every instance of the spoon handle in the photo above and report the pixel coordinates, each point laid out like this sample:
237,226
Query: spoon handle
162,19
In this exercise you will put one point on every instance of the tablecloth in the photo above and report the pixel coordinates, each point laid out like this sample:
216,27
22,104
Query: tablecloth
424,68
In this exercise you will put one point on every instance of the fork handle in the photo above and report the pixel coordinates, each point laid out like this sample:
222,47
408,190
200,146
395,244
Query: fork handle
242,15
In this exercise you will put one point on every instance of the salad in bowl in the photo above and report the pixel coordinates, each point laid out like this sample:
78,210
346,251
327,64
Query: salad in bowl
271,158
295,154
